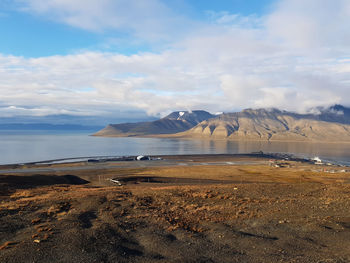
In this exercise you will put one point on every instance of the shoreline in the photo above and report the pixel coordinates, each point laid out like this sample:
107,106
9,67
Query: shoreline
208,138
104,159
101,161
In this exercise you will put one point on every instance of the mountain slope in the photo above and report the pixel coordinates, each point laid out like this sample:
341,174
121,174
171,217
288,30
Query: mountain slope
173,123
272,124
336,113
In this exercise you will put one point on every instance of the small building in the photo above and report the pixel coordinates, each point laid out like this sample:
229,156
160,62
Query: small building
317,160
142,158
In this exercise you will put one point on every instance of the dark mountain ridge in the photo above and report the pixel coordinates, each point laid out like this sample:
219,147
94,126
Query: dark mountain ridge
175,122
46,127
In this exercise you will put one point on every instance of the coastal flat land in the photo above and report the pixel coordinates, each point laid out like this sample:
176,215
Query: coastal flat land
194,208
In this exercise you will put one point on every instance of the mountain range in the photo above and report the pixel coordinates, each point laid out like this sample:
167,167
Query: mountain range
328,124
175,122
46,127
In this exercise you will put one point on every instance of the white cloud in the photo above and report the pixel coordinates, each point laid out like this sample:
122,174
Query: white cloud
293,58
146,20
311,24
234,20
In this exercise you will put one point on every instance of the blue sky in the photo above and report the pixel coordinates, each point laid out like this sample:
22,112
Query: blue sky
243,7
132,59
25,34
30,36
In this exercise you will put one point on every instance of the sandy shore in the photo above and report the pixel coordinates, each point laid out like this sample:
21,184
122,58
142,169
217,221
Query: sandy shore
199,208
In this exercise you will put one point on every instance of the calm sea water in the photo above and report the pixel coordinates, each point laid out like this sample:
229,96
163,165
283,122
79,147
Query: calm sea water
19,148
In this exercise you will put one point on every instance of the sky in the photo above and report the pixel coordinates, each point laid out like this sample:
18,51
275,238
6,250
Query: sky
134,59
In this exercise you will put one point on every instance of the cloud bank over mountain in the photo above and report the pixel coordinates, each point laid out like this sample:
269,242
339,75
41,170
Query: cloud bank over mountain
293,57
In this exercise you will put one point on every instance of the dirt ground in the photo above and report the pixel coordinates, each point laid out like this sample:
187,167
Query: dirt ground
194,209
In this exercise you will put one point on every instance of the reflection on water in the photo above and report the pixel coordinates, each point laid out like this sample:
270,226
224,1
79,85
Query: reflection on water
27,148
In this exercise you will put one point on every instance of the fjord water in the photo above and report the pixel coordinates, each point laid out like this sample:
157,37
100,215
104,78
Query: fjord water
20,148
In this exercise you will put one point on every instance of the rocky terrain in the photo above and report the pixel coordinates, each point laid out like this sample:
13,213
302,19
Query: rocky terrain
271,125
189,209
328,124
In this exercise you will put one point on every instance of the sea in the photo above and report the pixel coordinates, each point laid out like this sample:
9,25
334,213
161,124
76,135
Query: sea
23,147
